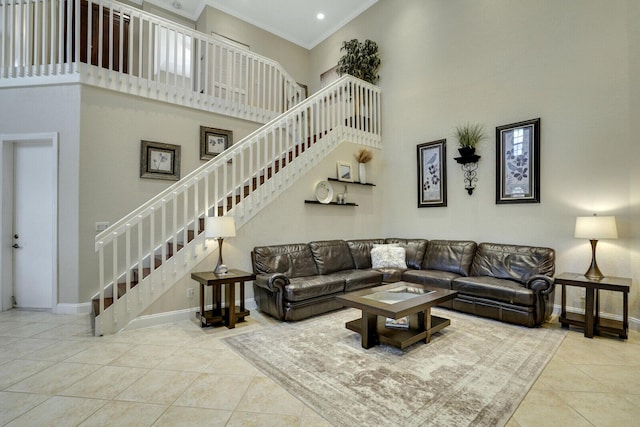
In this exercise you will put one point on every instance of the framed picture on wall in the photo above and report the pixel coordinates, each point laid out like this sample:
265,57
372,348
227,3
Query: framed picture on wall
214,141
518,162
329,76
159,161
432,174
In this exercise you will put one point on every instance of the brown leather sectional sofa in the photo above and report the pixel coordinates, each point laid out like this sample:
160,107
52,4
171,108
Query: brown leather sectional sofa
510,283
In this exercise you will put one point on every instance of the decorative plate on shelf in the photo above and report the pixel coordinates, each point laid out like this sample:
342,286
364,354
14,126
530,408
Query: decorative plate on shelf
324,192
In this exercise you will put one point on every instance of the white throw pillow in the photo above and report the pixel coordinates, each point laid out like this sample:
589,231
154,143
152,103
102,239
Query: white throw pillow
386,245
388,256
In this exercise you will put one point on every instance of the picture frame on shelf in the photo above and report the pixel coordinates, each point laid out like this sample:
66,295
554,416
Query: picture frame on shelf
344,171
214,141
159,160
432,174
518,162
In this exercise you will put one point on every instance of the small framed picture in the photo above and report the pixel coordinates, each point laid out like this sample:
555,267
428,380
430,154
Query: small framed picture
432,174
344,172
160,161
518,162
214,141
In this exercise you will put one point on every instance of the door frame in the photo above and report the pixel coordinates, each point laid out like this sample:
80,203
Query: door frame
7,144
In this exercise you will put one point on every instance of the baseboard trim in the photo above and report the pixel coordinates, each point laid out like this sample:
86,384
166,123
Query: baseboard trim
64,308
634,324
169,317
189,313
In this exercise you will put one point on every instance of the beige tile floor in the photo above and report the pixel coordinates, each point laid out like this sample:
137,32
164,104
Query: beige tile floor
54,373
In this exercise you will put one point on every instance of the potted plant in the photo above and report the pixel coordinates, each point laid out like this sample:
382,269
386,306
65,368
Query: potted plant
468,137
360,60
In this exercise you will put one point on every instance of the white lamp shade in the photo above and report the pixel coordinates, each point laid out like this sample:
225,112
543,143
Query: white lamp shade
596,227
219,226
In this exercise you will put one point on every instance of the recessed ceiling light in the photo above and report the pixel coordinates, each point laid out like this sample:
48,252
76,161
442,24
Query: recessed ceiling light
320,16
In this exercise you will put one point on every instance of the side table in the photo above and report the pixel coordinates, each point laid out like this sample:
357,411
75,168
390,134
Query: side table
230,313
591,321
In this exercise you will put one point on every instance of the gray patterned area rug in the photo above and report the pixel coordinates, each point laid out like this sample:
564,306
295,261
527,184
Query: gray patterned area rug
474,372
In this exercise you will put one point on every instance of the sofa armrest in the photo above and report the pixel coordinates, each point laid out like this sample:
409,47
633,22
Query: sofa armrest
273,282
541,284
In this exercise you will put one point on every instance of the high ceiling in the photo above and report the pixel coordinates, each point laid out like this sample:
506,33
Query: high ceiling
293,20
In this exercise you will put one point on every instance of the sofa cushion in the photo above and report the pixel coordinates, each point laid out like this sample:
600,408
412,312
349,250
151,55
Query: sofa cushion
357,279
454,256
415,249
303,288
331,256
361,251
512,262
293,260
439,279
388,256
504,290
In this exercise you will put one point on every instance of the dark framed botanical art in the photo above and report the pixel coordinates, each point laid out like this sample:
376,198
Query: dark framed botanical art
214,141
518,162
160,161
432,174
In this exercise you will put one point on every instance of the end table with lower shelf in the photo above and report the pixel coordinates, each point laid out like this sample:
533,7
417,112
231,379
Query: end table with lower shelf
230,313
591,321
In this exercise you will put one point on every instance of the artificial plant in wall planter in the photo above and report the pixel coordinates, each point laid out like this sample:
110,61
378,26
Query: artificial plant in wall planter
469,136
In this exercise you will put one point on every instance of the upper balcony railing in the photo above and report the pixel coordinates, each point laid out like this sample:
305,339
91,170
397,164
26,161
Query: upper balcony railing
111,45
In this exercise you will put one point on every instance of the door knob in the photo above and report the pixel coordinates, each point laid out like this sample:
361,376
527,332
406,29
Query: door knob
16,246
15,236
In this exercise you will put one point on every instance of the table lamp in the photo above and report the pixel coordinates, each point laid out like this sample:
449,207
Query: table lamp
594,228
219,227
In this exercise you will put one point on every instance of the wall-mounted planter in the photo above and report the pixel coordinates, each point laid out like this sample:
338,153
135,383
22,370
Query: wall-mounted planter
469,164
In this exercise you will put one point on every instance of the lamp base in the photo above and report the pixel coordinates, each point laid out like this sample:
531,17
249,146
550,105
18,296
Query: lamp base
220,267
593,273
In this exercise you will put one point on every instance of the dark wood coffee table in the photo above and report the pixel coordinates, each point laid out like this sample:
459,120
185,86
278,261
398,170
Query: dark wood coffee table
396,301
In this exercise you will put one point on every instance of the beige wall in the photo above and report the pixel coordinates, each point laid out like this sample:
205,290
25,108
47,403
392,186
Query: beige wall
112,127
446,63
633,17
293,58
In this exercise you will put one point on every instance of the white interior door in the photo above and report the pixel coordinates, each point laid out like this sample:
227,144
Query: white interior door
34,235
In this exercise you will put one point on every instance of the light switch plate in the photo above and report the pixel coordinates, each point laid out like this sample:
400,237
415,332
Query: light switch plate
101,226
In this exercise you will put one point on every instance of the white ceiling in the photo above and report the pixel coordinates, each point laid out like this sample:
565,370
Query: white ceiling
293,20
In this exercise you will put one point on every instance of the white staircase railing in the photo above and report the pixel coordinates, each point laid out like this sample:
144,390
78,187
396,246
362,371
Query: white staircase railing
143,254
132,51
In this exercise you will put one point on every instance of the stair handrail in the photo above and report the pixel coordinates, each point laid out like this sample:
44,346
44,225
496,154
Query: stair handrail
117,227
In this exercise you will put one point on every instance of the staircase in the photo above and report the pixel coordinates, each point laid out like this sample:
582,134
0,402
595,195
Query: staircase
116,47
156,245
